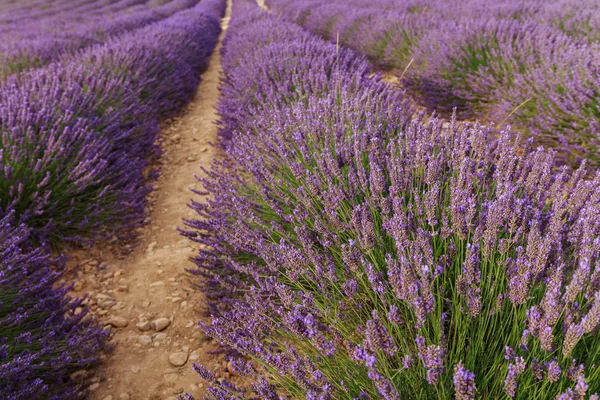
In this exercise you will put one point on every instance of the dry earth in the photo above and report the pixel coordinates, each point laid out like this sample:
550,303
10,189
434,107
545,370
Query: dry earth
146,298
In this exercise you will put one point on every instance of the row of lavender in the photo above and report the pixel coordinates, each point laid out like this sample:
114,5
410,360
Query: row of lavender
354,250
37,43
537,61
77,139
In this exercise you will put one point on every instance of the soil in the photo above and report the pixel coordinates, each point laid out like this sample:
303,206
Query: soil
128,292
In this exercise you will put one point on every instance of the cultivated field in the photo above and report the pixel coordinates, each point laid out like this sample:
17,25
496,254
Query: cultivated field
299,199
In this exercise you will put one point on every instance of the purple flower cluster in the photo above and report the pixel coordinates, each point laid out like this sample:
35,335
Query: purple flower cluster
353,248
44,335
535,63
39,42
76,137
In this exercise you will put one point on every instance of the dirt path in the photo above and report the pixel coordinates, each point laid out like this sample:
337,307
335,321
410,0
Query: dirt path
135,295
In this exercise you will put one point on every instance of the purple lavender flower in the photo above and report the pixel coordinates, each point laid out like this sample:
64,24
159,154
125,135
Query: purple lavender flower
464,383
44,335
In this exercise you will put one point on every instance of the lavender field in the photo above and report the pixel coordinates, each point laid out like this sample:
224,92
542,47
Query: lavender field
401,199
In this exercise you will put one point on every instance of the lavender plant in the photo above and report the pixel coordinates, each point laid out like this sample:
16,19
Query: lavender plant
44,335
77,137
38,43
533,64
356,251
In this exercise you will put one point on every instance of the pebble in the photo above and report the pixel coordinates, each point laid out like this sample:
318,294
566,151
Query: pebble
176,138
109,397
124,396
178,359
157,284
185,348
189,324
231,369
78,286
118,321
104,297
144,339
160,337
161,324
135,369
145,304
143,326
79,374
94,387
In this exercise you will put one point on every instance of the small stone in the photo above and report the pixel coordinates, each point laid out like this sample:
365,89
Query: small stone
189,324
160,337
231,369
135,369
191,158
178,359
104,297
172,279
194,357
109,397
143,326
160,272
78,286
176,138
157,284
185,348
204,149
124,396
94,387
123,288
161,324
118,321
79,374
145,304
144,339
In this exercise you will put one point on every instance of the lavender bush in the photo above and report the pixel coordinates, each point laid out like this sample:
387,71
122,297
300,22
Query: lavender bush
354,250
534,64
38,43
44,335
77,137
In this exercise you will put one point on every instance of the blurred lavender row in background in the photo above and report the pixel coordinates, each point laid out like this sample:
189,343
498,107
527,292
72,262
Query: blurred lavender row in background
533,64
